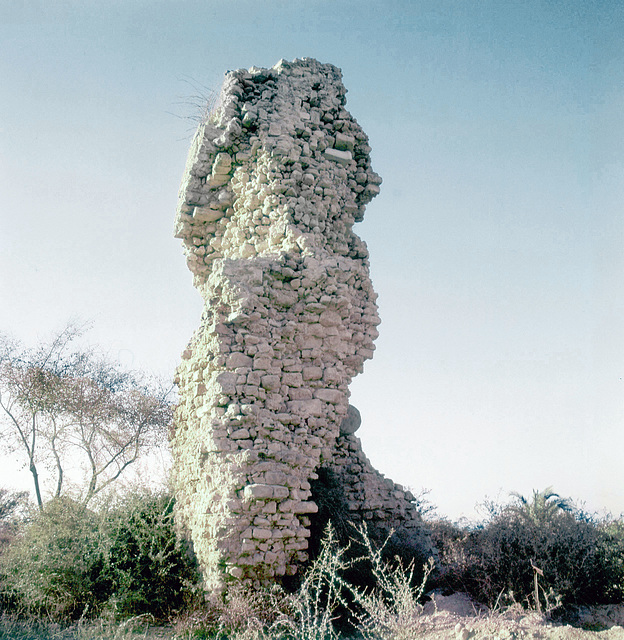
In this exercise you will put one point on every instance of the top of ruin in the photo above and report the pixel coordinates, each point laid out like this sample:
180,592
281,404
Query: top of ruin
279,166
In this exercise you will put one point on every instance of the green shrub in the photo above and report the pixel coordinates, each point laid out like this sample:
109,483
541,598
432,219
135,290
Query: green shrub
451,543
54,568
71,561
562,548
611,553
148,569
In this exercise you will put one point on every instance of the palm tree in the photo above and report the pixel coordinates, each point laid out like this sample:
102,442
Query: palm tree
543,506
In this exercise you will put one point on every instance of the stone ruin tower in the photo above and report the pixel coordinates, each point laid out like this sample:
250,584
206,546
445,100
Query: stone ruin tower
275,179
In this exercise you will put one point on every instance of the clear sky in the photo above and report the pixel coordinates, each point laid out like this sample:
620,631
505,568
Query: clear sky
496,242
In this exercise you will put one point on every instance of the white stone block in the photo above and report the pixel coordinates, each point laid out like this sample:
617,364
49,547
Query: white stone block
330,319
271,382
312,373
258,491
280,492
207,214
238,359
333,396
344,142
341,157
306,407
225,382
240,434
304,507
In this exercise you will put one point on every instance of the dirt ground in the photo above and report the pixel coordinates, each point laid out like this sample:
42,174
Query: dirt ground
456,618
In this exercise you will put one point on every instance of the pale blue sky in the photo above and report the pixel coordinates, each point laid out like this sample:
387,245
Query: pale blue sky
496,243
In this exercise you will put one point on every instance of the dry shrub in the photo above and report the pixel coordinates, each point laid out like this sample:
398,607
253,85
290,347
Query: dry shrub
313,608
582,559
389,610
242,613
250,612
392,610
328,492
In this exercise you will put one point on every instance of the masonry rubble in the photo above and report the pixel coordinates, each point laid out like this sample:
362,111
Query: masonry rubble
275,180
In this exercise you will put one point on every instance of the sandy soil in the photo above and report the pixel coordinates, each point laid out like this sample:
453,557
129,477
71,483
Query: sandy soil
456,618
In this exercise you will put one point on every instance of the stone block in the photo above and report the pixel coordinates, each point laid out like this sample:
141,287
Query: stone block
333,396
344,142
292,379
306,407
239,434
225,382
262,363
270,382
238,359
304,507
351,422
275,477
207,214
280,492
341,157
312,373
258,491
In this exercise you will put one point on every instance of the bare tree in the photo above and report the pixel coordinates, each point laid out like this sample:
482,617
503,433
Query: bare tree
64,406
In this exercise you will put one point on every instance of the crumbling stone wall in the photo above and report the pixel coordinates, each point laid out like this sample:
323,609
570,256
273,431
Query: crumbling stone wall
275,180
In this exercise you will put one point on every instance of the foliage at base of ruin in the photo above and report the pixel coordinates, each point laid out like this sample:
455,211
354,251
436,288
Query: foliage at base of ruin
578,559
123,560
68,558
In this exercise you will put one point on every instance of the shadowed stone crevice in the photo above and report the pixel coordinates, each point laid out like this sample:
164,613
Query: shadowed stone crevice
275,179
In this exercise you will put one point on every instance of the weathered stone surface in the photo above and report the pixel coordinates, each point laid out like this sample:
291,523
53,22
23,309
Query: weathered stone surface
351,422
275,179
341,157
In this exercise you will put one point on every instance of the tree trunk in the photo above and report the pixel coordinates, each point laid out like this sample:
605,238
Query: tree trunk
35,475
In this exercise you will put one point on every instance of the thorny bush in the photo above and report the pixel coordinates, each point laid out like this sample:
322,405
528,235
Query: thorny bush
580,557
